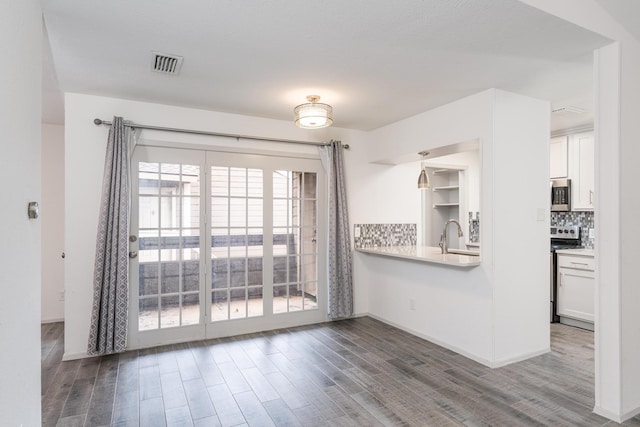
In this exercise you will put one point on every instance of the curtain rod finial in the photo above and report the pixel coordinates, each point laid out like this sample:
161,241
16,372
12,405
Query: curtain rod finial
97,122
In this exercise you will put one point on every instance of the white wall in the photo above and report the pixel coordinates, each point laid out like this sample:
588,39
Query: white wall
520,211
471,311
84,160
52,208
20,32
617,200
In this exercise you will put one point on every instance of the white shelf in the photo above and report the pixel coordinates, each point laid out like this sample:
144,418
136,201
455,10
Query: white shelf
445,205
450,187
445,171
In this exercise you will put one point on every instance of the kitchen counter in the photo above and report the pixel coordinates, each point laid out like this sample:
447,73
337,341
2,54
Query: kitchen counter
428,254
578,252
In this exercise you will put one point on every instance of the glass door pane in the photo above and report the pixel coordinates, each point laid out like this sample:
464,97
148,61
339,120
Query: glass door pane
295,252
236,243
169,245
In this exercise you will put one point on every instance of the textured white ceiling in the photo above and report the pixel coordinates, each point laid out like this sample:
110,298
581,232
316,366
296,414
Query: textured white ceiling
375,61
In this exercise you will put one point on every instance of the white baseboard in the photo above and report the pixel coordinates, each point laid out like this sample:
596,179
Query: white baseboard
466,354
619,418
509,361
57,320
460,351
74,356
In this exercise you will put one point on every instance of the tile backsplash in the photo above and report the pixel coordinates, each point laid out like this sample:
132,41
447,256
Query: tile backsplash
582,219
474,228
371,235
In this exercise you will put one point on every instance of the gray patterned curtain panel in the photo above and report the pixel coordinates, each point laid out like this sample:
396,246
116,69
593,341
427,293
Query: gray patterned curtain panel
340,257
108,331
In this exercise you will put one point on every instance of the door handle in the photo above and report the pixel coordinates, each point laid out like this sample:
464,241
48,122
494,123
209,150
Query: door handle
133,254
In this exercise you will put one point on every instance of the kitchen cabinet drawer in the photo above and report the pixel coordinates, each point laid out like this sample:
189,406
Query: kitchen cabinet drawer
576,262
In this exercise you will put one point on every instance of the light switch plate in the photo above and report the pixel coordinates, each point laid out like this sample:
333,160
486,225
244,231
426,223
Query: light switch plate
592,233
356,231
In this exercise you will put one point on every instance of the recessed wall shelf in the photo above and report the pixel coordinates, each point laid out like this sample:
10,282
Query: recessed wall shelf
444,171
446,200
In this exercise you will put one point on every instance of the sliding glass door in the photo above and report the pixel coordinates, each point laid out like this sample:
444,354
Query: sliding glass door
224,244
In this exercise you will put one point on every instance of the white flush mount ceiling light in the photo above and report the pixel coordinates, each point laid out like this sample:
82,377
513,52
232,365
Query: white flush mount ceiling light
423,179
313,115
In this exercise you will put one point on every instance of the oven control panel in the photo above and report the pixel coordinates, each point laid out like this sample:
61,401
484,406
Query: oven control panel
565,232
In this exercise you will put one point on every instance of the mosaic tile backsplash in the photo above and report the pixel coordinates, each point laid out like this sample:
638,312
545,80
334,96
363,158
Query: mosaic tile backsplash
474,228
371,235
582,219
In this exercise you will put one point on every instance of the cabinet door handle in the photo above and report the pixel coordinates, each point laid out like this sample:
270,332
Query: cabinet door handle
560,281
591,197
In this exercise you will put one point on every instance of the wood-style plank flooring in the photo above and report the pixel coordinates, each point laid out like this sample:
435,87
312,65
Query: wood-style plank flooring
353,372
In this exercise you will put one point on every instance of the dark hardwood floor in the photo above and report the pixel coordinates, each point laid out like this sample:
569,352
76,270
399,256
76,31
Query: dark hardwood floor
352,372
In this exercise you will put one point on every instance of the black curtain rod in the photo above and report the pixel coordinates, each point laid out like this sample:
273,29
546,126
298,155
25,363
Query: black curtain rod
99,122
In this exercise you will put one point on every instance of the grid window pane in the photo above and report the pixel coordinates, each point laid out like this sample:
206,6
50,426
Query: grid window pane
255,302
147,314
280,299
219,181
238,182
238,212
219,306
238,306
310,295
148,212
295,298
254,183
190,309
254,212
169,311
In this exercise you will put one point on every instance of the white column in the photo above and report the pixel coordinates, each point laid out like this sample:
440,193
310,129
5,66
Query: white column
20,100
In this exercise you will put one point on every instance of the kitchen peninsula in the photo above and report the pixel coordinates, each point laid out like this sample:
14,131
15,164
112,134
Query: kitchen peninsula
495,312
427,254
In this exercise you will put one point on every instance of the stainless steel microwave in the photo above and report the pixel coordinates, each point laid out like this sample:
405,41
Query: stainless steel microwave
560,195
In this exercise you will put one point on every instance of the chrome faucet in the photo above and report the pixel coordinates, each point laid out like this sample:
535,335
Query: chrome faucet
443,236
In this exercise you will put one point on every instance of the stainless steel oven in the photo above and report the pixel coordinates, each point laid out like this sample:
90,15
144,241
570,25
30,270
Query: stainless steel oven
560,195
562,237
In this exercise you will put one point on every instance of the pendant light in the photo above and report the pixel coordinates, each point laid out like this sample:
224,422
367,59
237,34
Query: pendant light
313,115
423,179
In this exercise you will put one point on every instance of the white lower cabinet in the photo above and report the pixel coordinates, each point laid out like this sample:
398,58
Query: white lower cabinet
576,287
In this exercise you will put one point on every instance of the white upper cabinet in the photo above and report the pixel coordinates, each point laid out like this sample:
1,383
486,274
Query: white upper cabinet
558,156
582,171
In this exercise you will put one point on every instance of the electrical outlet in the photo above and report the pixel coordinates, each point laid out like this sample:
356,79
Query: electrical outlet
356,232
61,296
592,233
412,304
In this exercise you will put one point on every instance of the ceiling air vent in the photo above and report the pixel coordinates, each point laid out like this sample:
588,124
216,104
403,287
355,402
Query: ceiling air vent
166,64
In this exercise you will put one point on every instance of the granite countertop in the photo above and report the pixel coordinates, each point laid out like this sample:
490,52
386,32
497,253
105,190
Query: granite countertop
427,254
579,252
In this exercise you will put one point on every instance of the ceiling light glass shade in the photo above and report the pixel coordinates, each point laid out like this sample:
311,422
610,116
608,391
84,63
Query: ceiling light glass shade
423,180
313,115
